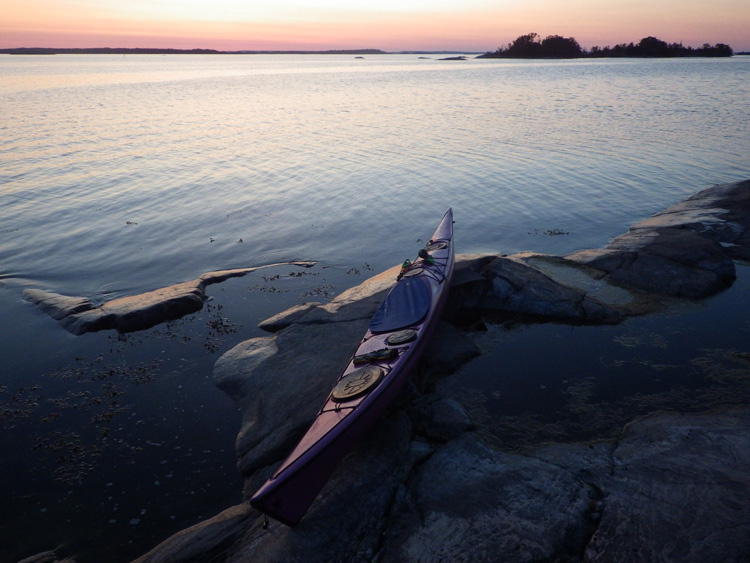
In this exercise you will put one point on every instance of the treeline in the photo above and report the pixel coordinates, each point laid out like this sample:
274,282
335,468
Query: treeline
531,46
653,47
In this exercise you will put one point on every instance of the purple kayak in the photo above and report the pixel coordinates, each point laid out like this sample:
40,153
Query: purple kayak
398,334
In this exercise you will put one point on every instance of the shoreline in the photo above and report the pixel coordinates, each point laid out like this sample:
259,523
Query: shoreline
31,51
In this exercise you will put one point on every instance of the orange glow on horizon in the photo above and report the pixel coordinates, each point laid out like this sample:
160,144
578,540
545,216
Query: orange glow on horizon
475,25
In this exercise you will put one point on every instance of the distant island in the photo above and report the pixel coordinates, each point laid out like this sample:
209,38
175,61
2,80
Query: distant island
531,46
147,51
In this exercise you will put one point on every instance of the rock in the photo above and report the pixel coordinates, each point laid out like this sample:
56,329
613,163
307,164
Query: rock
437,419
233,366
204,540
280,382
280,395
655,495
684,251
57,306
468,289
374,286
447,420
590,281
720,213
46,557
668,261
346,522
666,482
285,318
137,312
478,504
512,285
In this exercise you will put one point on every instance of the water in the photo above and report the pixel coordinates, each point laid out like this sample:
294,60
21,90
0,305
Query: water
122,174
298,155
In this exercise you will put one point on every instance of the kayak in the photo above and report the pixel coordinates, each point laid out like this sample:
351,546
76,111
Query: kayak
398,334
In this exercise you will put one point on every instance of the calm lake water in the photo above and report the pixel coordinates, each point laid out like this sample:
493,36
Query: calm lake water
123,174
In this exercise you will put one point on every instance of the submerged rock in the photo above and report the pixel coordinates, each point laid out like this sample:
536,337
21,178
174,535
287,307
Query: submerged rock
285,318
58,306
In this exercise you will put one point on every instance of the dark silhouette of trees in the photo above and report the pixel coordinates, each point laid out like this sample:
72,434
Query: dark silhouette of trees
718,50
526,46
555,46
653,47
530,46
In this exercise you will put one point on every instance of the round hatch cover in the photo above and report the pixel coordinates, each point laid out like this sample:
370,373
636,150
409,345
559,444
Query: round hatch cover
357,383
401,337
413,272
438,245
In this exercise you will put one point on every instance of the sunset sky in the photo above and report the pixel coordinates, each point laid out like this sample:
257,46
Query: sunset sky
391,25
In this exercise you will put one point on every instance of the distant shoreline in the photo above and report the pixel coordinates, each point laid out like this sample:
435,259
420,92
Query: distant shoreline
147,51
150,51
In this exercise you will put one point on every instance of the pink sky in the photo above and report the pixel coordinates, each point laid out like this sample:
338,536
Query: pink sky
391,25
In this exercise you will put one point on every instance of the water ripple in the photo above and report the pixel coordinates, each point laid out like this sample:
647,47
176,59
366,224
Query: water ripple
147,173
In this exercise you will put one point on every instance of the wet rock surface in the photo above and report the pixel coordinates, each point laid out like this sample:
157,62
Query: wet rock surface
424,486
138,312
685,250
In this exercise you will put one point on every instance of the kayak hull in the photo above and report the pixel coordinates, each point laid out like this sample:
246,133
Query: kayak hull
387,354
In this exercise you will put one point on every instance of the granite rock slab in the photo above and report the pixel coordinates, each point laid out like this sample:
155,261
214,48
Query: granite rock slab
659,493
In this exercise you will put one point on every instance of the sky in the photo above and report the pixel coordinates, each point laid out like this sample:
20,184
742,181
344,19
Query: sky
390,25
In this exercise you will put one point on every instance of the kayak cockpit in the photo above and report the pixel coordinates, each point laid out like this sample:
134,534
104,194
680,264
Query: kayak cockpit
406,305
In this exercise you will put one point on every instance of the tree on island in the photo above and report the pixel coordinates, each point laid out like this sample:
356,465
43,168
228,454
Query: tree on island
653,47
529,46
